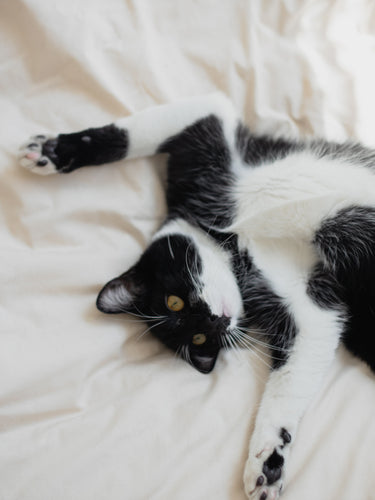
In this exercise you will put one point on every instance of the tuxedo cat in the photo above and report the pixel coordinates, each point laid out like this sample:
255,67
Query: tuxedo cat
267,241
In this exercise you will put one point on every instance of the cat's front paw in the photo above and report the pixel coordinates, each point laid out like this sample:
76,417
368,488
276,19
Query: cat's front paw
264,470
38,155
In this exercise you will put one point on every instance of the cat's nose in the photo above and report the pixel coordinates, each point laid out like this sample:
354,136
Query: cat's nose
219,321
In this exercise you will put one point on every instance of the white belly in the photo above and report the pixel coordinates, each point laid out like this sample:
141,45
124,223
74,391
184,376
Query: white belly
289,198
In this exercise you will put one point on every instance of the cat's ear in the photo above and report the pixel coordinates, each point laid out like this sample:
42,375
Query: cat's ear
121,294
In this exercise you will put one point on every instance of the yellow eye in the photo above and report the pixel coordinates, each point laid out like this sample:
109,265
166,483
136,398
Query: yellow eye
175,303
199,339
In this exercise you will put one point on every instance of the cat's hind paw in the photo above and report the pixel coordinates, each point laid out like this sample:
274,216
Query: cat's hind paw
38,155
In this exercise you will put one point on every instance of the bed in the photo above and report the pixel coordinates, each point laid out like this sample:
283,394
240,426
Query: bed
91,407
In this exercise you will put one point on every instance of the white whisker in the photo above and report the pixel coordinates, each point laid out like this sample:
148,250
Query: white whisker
170,247
148,329
253,342
144,316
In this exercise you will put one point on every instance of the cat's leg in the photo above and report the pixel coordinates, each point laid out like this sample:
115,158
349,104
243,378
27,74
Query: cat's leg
288,392
318,321
138,135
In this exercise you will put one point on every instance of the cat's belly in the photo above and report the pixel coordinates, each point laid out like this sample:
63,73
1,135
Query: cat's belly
289,198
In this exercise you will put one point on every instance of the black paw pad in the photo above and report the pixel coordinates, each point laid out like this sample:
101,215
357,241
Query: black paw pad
260,481
48,149
272,467
285,436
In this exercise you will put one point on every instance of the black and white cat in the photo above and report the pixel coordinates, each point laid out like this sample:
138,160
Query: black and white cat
266,240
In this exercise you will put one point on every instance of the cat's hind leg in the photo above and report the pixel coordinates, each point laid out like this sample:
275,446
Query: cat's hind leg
345,243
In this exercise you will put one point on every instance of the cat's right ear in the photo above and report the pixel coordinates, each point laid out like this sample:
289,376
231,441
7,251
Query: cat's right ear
121,294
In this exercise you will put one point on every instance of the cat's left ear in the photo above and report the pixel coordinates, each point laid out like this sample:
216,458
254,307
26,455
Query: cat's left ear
121,294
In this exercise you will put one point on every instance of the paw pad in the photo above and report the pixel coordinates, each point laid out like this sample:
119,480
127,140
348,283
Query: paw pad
272,467
263,476
37,155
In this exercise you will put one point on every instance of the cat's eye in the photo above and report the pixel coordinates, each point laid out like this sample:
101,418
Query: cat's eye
175,303
199,339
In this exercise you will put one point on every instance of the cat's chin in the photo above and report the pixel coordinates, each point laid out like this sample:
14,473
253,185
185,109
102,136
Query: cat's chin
204,363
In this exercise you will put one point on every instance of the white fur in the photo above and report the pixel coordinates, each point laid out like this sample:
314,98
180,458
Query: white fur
290,388
220,290
148,129
31,163
116,297
279,208
289,198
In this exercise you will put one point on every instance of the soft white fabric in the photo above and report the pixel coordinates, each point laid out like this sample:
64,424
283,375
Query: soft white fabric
89,408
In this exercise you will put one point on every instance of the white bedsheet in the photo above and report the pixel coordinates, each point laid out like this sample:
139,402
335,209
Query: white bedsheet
88,409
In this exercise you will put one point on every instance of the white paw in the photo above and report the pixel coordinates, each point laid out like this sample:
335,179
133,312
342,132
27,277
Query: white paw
264,470
33,155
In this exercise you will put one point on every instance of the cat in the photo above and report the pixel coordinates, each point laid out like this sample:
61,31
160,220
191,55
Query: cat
267,240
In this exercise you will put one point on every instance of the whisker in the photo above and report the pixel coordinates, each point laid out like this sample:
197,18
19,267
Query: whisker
233,347
186,354
170,247
148,329
251,340
224,341
143,316
246,343
189,271
223,243
245,340
238,334
236,349
249,343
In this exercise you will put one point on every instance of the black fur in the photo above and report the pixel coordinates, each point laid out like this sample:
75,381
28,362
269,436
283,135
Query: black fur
346,243
351,152
199,174
93,146
325,290
172,266
285,436
199,156
264,310
258,149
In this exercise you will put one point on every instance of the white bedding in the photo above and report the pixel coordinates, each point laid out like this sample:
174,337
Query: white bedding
88,409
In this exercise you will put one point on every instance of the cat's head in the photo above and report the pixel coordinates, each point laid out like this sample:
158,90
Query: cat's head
184,288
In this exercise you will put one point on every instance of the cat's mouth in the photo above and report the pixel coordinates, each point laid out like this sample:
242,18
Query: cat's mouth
203,350
204,363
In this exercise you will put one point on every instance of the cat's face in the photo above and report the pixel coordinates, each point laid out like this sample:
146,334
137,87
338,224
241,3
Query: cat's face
185,290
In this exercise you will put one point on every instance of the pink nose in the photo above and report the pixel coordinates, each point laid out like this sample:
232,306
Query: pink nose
32,156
